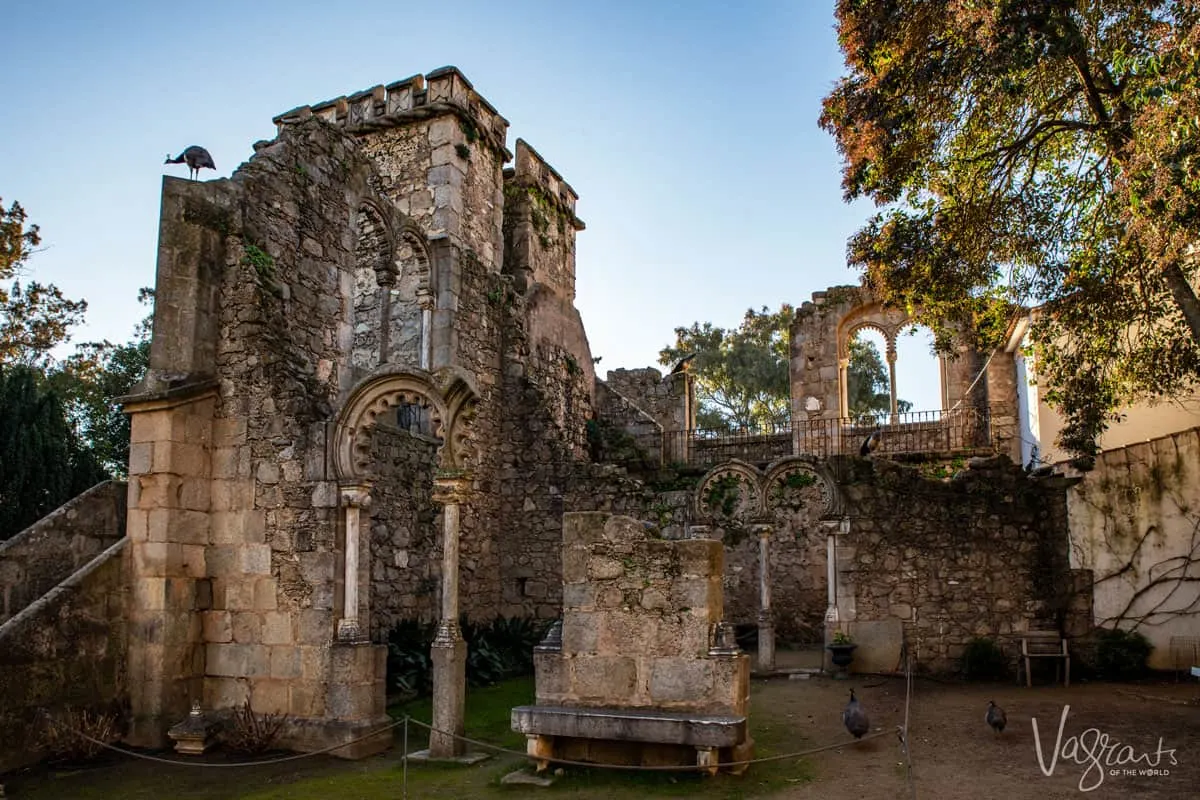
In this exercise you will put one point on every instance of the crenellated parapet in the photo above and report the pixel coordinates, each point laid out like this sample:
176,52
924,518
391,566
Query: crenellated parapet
444,90
533,170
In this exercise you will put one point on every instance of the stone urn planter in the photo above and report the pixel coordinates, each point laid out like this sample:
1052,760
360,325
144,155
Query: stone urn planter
842,653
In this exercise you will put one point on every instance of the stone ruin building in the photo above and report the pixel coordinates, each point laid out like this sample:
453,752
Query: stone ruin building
371,399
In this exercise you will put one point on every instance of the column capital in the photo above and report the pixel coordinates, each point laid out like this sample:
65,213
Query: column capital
356,495
449,489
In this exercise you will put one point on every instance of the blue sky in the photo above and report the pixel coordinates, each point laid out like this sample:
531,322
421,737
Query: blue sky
689,130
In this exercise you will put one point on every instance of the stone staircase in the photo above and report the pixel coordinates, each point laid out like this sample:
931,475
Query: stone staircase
62,611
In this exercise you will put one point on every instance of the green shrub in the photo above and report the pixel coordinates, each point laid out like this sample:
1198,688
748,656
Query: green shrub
409,669
983,660
1121,655
496,650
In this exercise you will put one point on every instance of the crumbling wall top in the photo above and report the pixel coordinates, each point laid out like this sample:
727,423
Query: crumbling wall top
444,90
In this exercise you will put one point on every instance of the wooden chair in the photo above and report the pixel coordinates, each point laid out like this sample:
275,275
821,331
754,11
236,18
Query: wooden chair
1045,644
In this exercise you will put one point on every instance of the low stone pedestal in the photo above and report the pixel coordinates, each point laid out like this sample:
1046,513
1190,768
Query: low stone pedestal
708,734
196,733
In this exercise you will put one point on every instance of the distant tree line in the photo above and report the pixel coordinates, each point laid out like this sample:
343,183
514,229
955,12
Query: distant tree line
61,430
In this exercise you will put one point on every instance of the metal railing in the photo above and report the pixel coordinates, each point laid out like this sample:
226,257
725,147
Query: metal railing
962,429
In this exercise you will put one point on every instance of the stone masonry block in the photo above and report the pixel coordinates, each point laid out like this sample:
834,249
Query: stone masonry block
239,594
699,558
444,131
137,522
580,632
181,458
222,693
622,529
353,664
602,678
314,627
581,529
574,565
228,431
625,633
149,594
600,568
217,626
277,628
149,558
232,495
237,660
256,559
266,592
141,457
268,696
550,677
306,699
579,595
314,662
246,626
150,426
680,681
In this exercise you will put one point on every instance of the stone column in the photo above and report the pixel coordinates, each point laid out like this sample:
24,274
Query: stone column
425,300
766,624
356,498
891,359
386,280
449,650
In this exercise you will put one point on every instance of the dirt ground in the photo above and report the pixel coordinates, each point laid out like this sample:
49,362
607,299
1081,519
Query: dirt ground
955,755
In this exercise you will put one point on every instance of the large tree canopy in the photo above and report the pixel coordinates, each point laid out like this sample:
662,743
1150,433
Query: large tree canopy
42,462
34,318
741,373
1033,153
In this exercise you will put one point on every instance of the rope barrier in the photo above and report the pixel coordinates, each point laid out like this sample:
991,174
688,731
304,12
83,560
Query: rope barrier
476,743
182,763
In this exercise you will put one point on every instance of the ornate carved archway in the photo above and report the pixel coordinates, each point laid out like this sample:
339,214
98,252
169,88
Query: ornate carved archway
447,397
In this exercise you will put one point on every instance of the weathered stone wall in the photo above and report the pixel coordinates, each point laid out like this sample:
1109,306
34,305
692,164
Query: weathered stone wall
1135,523
666,399
405,541
981,554
619,414
287,327
638,616
35,560
66,650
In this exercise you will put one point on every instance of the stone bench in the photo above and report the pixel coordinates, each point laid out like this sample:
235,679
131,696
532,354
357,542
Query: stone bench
708,733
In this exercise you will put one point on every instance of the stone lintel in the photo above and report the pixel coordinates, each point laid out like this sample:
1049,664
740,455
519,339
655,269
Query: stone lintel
631,725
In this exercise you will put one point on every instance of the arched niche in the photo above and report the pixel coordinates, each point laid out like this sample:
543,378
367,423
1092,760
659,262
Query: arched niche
447,400
393,288
788,475
729,492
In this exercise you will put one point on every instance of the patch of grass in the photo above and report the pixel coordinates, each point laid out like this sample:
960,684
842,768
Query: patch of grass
489,714
379,778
